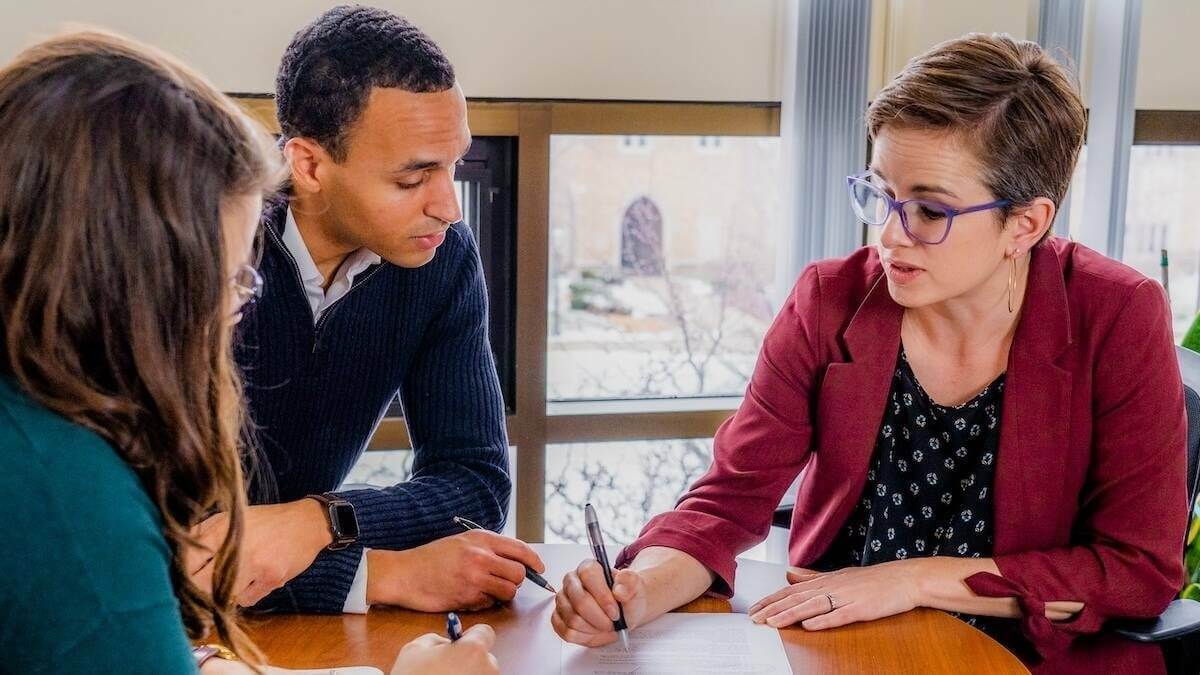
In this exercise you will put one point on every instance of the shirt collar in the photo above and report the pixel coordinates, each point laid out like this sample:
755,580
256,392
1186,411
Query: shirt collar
355,263
299,250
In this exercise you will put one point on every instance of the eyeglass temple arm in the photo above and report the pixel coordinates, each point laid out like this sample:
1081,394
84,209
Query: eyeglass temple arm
982,207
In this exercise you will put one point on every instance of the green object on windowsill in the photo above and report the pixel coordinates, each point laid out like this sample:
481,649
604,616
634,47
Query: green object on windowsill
1191,339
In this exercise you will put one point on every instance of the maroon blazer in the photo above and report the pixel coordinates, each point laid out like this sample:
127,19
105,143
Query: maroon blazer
1089,488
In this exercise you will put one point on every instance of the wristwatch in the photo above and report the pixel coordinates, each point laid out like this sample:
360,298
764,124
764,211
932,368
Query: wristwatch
343,524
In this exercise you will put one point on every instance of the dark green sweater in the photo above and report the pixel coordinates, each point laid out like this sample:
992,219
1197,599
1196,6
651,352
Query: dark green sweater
84,568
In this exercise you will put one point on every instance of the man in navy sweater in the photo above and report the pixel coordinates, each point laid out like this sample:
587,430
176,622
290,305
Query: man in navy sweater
373,286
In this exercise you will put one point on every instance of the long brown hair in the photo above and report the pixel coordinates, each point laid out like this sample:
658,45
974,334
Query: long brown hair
115,160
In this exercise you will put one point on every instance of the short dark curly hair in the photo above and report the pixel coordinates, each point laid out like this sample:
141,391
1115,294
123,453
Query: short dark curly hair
333,63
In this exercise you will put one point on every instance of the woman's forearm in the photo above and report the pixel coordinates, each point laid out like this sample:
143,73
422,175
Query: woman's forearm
672,577
941,584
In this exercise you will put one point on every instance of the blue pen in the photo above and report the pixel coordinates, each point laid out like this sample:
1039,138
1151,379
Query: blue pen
453,627
596,539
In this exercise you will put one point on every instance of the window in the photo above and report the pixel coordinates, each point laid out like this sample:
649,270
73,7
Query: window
1158,218
381,468
710,144
628,483
690,192
641,239
1162,226
662,264
635,144
1074,228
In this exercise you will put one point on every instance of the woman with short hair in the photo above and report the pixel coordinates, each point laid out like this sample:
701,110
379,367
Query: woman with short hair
989,418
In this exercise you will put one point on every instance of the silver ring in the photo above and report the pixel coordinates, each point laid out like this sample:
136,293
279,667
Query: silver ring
832,604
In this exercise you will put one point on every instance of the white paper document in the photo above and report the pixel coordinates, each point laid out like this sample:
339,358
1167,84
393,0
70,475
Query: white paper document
341,670
691,644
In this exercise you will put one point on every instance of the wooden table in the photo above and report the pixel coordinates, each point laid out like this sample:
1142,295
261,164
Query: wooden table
922,641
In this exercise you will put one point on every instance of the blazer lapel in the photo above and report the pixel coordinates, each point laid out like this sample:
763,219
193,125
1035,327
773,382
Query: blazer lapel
853,396
1035,415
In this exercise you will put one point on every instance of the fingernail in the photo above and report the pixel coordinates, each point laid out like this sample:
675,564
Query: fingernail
614,613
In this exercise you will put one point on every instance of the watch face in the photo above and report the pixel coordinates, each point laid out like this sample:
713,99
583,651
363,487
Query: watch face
345,521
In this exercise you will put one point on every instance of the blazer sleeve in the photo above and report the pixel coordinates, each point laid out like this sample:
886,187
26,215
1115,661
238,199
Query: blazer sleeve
1127,552
757,453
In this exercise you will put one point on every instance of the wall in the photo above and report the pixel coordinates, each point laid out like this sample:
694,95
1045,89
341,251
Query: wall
714,50
1166,80
910,27
684,50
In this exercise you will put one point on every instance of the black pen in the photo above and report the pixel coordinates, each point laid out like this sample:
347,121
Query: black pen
596,539
529,573
453,627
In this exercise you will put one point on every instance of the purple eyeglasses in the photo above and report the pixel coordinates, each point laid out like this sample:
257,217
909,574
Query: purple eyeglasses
927,222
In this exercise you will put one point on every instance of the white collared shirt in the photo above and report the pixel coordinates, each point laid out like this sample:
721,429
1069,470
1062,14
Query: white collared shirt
320,300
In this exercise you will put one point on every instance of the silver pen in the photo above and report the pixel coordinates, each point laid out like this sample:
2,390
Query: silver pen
596,539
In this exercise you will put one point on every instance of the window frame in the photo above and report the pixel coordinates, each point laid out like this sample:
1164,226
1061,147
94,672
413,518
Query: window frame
1166,127
534,422
1163,127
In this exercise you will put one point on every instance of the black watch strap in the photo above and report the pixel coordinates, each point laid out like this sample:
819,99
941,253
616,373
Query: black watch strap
343,522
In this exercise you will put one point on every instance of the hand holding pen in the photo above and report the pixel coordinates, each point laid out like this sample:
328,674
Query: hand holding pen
592,603
596,539
453,627
530,574
459,651
468,571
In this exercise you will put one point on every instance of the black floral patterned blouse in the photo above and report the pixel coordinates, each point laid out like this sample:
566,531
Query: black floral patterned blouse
929,486
928,490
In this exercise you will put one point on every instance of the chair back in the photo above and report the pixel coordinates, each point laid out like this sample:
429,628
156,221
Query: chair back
1189,367
1192,402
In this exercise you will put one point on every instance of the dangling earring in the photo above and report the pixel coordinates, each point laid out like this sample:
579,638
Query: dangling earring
1012,280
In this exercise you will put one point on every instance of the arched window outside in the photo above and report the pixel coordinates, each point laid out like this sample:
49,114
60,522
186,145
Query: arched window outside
642,238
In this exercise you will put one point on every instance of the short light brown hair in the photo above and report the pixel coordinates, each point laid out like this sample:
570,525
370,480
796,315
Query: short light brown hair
1012,104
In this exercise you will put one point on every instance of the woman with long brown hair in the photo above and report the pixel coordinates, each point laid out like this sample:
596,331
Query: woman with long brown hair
129,195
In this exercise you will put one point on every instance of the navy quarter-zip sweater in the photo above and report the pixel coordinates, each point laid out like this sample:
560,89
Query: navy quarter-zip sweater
317,392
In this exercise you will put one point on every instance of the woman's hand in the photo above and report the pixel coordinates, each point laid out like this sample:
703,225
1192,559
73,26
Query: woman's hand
433,654
429,654
858,594
585,608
